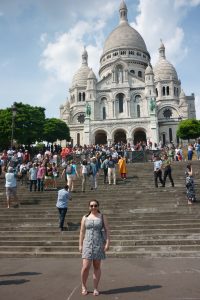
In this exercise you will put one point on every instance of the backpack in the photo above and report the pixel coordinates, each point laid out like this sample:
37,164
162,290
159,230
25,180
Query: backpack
24,171
111,164
69,169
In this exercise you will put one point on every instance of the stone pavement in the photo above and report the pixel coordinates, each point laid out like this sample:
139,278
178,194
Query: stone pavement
59,279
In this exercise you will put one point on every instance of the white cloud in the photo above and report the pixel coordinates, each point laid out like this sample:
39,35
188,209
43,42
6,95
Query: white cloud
62,58
179,3
160,19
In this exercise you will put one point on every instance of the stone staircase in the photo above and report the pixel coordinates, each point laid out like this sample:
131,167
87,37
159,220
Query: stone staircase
144,221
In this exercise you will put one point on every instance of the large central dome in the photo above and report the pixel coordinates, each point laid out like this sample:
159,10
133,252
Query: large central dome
124,36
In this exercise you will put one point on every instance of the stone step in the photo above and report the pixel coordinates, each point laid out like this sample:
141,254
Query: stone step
75,254
115,243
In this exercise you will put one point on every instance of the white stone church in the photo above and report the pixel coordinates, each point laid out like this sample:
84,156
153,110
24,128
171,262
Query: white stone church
131,101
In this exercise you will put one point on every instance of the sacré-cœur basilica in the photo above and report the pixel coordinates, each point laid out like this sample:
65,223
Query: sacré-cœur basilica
131,101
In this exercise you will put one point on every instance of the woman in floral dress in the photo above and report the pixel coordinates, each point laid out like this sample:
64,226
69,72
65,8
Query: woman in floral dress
93,244
189,182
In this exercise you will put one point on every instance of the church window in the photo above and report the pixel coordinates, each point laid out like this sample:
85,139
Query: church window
78,139
121,102
81,118
104,113
138,54
164,139
131,52
83,96
163,90
79,97
167,113
137,98
156,92
132,71
170,135
138,111
144,56
140,74
167,90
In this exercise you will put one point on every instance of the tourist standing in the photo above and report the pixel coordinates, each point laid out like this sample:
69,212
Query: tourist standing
11,186
104,166
197,148
189,182
190,151
93,173
111,170
93,245
33,177
122,167
84,174
158,171
62,205
166,165
40,177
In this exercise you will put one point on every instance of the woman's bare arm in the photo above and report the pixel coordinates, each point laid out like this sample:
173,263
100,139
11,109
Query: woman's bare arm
82,234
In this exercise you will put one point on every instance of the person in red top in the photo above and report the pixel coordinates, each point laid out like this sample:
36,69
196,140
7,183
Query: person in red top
40,177
26,157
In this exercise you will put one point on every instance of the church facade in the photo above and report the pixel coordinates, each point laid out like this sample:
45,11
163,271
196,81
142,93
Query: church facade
131,101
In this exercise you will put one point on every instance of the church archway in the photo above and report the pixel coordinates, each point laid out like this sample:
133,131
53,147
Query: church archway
100,138
120,136
139,136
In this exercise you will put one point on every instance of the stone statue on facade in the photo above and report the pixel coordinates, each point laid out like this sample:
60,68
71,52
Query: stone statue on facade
88,110
152,104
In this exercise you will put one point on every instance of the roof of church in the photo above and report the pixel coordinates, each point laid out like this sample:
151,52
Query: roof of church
124,36
163,69
80,77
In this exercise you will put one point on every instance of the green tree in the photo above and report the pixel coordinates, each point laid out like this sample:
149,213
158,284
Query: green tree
189,129
55,129
29,123
5,128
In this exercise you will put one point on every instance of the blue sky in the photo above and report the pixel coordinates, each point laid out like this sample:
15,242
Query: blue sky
42,42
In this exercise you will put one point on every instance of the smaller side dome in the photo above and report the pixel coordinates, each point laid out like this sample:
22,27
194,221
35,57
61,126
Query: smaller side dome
80,77
149,70
91,75
163,69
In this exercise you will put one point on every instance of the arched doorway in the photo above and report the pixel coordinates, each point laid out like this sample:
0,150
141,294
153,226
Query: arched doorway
139,136
101,138
120,136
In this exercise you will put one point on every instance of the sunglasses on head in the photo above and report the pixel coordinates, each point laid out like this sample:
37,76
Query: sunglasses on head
94,205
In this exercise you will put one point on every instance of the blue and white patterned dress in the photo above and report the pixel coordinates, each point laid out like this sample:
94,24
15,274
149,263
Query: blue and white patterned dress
93,244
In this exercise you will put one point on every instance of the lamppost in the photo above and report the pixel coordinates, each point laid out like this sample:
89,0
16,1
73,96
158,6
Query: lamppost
14,112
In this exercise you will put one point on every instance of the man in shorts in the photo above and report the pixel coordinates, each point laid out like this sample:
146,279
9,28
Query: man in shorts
11,187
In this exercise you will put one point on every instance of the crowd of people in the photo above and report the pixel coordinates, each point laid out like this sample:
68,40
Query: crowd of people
41,171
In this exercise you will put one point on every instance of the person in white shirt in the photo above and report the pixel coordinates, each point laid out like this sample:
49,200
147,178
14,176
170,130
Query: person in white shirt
158,171
11,186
